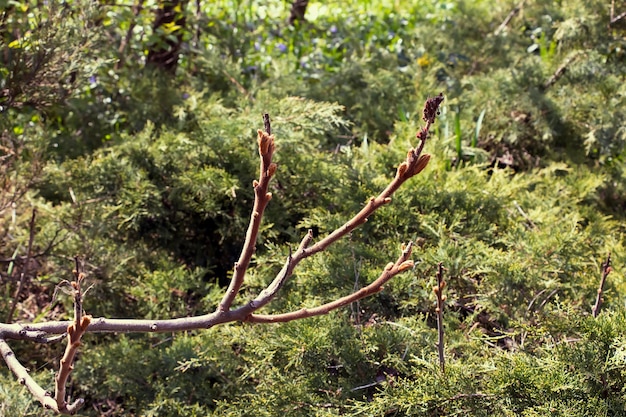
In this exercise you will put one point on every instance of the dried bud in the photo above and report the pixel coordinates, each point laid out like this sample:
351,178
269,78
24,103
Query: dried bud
431,108
387,200
389,266
268,196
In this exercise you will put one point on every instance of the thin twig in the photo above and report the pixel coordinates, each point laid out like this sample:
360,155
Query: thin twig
606,270
75,332
24,378
510,16
25,268
615,19
560,71
44,332
261,199
137,8
521,211
441,284
392,269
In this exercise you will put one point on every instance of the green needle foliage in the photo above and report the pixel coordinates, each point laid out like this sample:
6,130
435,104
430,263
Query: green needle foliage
146,174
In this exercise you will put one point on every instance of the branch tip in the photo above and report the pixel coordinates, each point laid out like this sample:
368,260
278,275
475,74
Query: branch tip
431,108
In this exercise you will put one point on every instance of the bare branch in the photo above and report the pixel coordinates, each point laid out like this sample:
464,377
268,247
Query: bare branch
25,268
53,331
75,332
606,270
137,8
391,270
441,284
261,198
615,19
509,17
560,71
24,378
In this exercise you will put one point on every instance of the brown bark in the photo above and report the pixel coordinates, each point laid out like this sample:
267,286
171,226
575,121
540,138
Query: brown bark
298,9
164,54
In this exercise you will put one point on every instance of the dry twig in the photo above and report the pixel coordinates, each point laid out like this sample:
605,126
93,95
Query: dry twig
25,268
606,270
441,284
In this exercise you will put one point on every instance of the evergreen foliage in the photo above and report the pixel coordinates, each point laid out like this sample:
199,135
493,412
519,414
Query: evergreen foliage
147,176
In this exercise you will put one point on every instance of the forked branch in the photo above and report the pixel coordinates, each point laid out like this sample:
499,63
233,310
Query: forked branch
53,331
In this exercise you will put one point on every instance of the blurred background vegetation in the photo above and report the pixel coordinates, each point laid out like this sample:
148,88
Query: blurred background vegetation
127,129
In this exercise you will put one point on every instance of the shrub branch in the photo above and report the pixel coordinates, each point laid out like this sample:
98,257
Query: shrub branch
47,332
606,270
441,298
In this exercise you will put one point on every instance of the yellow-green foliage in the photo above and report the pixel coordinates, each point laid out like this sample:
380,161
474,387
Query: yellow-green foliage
148,176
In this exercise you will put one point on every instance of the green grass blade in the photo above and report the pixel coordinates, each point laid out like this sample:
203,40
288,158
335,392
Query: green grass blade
479,125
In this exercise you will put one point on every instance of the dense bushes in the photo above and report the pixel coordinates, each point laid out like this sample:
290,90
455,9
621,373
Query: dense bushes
147,176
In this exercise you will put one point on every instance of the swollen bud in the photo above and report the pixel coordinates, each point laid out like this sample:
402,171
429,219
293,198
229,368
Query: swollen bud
422,162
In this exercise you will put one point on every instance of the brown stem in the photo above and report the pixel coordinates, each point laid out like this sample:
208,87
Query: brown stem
25,269
606,270
24,378
75,332
298,9
615,19
137,8
391,270
261,198
441,284
509,17
560,71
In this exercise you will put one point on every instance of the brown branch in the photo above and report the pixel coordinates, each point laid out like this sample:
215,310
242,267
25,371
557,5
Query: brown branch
41,332
298,9
24,378
606,270
510,16
25,268
414,163
615,19
137,8
391,270
261,198
74,333
560,71
441,284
